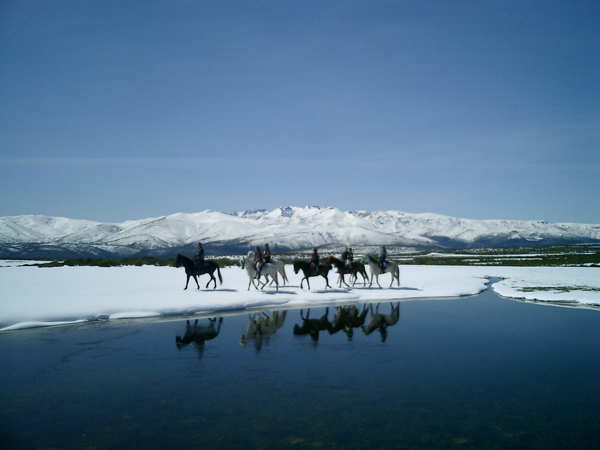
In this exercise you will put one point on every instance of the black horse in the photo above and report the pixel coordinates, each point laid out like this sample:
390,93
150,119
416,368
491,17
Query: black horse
191,270
308,272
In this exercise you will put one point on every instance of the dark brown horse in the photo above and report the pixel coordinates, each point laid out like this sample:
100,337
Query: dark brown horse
308,272
191,270
356,267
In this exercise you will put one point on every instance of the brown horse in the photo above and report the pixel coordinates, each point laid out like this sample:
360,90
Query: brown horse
308,272
355,268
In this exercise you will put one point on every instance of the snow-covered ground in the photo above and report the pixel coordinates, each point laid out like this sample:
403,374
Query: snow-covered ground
32,296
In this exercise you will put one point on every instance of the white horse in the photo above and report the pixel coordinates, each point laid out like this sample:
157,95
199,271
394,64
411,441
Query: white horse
280,268
267,269
373,263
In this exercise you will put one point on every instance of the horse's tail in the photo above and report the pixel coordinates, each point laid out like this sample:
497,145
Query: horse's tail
285,275
220,277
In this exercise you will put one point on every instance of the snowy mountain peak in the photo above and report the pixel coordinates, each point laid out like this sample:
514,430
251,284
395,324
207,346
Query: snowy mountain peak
286,227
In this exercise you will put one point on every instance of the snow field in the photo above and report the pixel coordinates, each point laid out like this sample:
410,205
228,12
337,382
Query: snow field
32,296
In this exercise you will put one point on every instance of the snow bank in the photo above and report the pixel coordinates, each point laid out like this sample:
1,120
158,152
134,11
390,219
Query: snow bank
33,296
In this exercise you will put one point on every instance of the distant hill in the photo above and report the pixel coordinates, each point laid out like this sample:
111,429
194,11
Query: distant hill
285,228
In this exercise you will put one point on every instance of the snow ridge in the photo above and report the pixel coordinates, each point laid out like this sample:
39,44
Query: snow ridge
285,228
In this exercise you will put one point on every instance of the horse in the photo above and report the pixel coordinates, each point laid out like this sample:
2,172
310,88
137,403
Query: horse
280,268
308,272
355,268
373,263
267,269
192,271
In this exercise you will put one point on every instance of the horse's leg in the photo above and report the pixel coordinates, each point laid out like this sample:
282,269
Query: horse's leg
187,282
344,281
307,283
196,280
212,278
326,281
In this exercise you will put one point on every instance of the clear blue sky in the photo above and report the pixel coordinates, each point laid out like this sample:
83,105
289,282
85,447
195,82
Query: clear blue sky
114,110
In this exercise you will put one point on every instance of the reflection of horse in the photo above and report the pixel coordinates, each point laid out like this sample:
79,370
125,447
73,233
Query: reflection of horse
382,321
391,267
260,327
191,270
312,326
266,269
393,317
354,319
375,321
308,272
198,334
356,267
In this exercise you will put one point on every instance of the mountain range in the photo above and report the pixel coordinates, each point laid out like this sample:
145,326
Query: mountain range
284,228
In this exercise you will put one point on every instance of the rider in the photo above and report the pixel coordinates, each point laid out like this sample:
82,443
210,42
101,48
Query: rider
382,257
199,257
347,257
314,261
267,254
258,261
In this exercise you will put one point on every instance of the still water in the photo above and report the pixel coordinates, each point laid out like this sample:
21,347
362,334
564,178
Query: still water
476,372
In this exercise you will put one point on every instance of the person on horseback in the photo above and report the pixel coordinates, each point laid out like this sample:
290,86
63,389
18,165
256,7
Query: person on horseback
382,257
199,258
267,254
347,257
314,261
258,261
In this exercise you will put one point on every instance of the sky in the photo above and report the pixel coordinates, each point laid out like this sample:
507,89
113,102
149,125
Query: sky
111,111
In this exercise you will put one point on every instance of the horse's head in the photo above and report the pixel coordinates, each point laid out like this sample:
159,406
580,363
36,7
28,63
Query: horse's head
178,261
367,258
296,267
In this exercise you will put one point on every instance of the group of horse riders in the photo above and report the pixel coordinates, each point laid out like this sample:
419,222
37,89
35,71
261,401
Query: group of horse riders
265,257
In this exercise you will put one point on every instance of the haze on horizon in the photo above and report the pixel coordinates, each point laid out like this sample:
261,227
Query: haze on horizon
111,111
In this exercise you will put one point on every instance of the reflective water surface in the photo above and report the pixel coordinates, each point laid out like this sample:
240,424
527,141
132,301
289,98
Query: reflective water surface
476,372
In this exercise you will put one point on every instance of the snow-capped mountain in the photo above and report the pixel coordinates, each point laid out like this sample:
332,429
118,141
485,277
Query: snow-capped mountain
285,228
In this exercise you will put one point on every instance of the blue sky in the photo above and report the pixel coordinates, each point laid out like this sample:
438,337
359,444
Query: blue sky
112,111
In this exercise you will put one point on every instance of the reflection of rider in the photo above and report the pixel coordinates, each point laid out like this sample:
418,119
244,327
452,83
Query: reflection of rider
382,257
258,261
347,257
199,257
314,260
267,254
